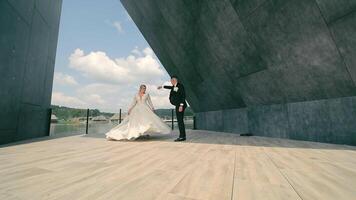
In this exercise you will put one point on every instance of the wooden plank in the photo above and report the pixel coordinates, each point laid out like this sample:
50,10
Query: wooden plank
207,166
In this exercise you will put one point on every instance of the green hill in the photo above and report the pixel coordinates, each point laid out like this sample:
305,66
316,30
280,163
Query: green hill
66,113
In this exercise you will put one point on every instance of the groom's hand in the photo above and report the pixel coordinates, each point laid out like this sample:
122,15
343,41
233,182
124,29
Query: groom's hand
159,87
180,109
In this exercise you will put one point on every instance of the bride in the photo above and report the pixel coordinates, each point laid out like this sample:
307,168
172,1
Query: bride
140,119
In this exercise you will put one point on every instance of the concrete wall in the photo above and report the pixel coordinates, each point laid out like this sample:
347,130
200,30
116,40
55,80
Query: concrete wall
329,120
28,41
279,68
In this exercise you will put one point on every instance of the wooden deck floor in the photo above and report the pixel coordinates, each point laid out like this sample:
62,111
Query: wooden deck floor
209,165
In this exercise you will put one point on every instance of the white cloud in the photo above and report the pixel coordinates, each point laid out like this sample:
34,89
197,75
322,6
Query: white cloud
148,51
136,52
59,98
101,96
64,79
145,67
103,89
132,69
96,99
113,82
118,26
98,66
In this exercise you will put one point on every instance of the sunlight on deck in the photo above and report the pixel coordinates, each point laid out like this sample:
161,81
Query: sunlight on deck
209,165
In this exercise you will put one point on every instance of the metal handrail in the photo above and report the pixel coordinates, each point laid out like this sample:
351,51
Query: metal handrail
88,112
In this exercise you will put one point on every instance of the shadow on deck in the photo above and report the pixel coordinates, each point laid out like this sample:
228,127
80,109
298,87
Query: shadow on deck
210,137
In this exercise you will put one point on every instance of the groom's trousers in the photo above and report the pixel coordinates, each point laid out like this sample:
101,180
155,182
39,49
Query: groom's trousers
180,119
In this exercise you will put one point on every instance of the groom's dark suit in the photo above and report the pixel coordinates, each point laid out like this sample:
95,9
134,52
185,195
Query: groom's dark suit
177,98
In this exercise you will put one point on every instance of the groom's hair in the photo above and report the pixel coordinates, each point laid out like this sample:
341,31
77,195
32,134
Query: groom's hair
174,76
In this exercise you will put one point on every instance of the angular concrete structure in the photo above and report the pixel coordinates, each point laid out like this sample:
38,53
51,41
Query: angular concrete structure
28,41
278,68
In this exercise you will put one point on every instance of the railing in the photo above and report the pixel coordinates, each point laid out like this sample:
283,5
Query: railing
87,125
87,121
194,123
120,117
172,119
49,118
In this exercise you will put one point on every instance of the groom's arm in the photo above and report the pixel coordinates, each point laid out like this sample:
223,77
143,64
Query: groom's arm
168,87
165,87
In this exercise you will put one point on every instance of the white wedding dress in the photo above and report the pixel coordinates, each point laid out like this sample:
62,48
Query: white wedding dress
140,121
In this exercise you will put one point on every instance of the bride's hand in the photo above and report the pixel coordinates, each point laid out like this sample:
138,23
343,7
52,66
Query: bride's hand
129,112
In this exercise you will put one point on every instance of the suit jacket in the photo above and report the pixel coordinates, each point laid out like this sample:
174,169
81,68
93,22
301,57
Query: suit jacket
177,97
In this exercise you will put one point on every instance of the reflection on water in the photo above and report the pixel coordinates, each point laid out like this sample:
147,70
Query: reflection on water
59,130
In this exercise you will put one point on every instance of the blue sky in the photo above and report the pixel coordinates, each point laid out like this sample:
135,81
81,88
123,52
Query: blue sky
102,58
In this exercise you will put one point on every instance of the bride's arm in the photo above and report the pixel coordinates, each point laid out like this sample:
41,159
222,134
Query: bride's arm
149,102
132,104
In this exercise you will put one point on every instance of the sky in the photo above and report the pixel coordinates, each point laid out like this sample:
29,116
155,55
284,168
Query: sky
102,58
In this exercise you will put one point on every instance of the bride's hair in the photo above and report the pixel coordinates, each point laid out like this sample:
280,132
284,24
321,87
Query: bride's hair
142,86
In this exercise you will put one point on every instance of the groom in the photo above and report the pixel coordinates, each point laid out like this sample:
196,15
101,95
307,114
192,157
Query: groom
177,98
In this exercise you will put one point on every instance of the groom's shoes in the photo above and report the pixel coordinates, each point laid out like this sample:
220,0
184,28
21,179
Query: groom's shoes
179,139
